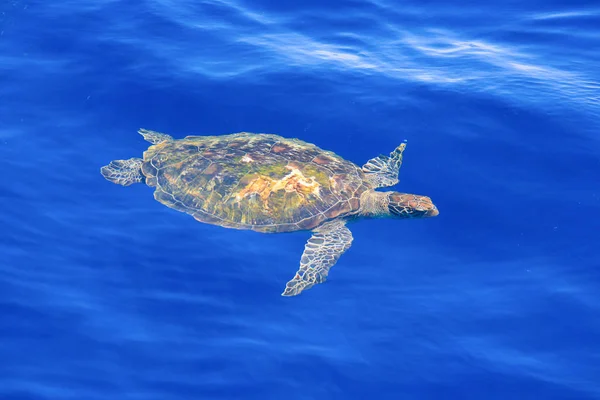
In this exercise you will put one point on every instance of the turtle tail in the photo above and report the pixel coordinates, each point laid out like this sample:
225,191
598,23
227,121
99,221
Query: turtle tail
123,172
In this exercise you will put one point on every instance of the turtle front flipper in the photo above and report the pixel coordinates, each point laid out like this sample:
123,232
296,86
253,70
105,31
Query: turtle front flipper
154,137
321,252
123,172
382,171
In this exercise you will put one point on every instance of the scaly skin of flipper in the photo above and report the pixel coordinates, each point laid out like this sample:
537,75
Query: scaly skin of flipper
154,137
382,171
123,172
321,252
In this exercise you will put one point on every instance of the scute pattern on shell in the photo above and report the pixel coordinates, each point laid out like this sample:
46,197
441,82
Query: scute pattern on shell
262,182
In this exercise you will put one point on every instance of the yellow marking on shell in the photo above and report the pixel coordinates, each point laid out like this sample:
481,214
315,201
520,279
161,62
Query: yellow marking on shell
294,182
332,182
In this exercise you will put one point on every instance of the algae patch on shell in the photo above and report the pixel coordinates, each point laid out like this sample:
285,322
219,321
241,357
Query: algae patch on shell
293,182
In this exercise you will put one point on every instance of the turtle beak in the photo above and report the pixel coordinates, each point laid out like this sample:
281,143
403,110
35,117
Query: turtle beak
426,206
433,211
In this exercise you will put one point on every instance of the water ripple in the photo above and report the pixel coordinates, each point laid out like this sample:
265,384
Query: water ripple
249,42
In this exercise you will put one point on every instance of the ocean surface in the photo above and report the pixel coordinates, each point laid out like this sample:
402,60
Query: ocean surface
107,294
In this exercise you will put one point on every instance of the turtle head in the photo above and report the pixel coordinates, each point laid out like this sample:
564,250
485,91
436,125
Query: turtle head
405,205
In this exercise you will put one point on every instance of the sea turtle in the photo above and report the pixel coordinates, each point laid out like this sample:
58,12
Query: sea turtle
268,183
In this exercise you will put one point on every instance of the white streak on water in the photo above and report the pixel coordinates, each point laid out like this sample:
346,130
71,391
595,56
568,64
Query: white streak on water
256,43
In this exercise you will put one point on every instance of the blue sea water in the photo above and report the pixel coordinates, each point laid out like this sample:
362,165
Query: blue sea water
107,294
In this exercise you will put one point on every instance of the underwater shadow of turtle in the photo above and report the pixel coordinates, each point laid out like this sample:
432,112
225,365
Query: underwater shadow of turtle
271,184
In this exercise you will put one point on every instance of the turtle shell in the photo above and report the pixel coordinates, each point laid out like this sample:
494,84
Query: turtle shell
262,182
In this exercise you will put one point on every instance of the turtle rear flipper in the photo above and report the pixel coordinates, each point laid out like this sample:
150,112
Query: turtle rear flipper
124,172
